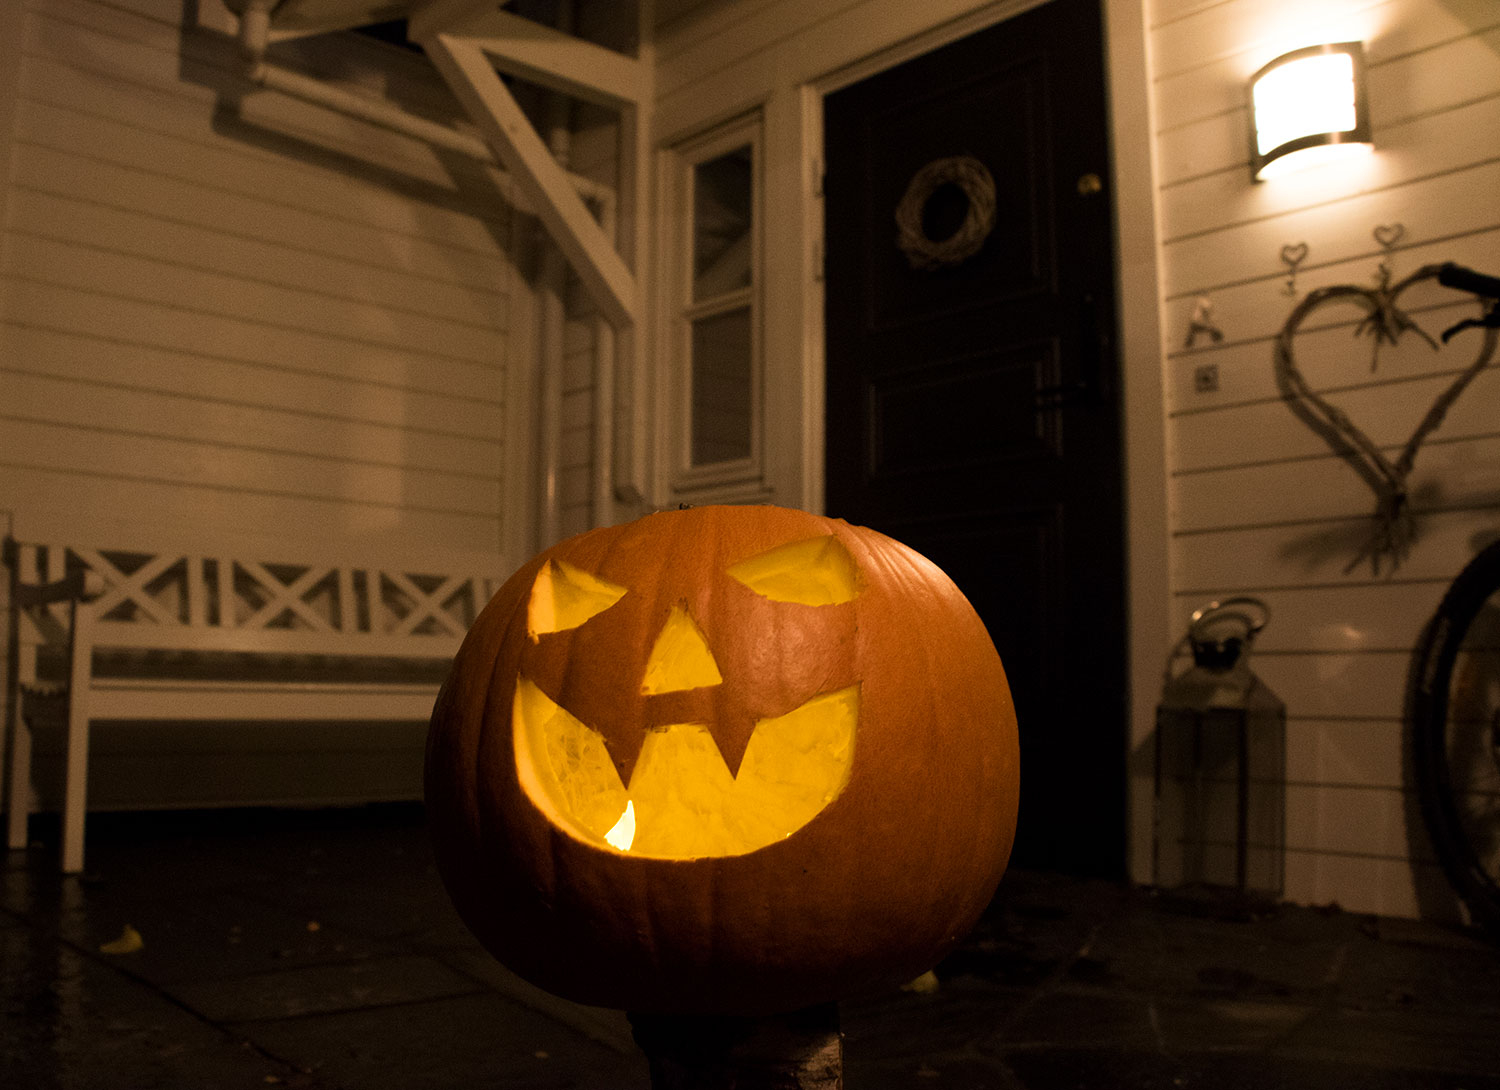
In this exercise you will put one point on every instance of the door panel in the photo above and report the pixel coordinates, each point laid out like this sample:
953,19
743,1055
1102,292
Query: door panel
1014,264
971,407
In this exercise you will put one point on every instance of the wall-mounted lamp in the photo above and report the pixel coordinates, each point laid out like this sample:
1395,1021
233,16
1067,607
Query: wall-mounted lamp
1307,107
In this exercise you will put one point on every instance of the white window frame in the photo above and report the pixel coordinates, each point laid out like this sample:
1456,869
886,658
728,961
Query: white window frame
726,480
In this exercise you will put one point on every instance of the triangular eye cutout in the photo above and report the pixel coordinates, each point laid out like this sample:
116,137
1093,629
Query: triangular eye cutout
564,597
815,572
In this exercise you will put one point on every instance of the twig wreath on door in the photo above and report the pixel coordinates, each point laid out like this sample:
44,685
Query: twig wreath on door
976,183
1394,525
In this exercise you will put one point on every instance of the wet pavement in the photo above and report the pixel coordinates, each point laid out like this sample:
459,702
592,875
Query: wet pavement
317,949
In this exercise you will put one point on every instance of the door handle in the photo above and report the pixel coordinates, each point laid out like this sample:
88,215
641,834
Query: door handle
1093,366
1064,393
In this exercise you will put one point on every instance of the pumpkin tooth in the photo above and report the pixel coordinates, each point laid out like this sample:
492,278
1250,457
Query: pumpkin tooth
623,834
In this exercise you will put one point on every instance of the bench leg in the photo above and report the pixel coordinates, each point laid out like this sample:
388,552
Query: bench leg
75,790
19,793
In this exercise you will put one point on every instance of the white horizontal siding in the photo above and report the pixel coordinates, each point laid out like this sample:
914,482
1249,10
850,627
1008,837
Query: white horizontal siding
1388,411
65,217
354,172
99,357
1385,616
1431,75
195,330
234,310
263,214
1316,553
331,437
593,151
1260,504
167,282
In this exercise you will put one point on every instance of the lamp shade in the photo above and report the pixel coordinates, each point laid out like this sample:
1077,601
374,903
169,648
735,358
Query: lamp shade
1308,107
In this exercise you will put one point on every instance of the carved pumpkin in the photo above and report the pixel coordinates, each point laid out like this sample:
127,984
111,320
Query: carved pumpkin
725,759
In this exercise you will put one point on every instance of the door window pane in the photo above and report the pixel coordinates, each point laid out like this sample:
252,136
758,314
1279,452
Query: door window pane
721,391
722,194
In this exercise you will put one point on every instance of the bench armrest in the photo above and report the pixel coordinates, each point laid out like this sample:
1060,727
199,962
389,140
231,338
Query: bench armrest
81,585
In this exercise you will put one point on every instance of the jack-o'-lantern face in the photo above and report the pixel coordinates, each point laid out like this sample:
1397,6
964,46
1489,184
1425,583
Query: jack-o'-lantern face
723,760
716,743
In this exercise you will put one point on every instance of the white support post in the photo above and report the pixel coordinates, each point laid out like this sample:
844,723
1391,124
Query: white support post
632,487
543,182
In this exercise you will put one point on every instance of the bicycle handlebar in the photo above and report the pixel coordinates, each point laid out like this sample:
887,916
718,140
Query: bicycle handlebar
1486,287
1465,279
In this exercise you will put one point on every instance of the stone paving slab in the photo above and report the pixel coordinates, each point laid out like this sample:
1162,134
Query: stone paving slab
479,1040
321,952
69,1021
323,989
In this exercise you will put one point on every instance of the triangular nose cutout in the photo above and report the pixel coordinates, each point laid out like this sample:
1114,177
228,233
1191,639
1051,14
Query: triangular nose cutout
680,658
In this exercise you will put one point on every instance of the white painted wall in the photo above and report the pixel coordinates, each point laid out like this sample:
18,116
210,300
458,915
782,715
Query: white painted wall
243,316
1260,504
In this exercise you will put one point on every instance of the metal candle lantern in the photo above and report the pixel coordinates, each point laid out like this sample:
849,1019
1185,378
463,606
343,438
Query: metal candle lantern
1220,760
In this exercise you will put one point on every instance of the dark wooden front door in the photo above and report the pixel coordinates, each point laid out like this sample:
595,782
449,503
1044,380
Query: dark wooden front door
972,406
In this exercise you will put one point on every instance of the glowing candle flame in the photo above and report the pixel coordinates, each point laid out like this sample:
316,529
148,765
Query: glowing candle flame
623,834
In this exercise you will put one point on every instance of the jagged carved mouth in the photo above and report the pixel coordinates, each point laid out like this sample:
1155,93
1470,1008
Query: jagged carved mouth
682,802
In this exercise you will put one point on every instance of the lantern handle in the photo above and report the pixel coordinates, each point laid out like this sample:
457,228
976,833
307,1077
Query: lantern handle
1208,612
1214,607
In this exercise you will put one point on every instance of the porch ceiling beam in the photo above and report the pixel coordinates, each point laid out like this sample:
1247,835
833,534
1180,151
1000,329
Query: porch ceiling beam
304,18
560,61
506,128
445,17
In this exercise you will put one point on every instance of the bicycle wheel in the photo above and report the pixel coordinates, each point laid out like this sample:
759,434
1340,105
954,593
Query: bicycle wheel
1456,735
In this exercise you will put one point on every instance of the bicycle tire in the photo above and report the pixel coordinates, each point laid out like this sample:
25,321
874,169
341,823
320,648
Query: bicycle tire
1455,706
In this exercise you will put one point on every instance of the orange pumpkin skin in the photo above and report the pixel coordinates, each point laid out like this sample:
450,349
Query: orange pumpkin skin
873,889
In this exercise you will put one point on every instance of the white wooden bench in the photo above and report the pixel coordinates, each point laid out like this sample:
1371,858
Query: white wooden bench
241,632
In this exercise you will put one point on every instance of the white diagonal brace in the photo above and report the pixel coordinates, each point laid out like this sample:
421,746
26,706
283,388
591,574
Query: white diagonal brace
560,61
506,128
285,596
134,588
424,605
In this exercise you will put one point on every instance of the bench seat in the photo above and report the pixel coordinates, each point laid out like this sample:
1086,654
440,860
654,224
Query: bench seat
245,632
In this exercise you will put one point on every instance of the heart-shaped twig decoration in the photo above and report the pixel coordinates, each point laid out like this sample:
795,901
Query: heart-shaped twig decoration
1395,529
1294,254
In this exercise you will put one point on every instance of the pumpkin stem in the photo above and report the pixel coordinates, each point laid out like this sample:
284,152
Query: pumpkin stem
802,1050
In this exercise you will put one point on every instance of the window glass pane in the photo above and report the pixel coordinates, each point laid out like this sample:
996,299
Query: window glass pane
721,388
722,205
